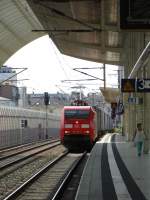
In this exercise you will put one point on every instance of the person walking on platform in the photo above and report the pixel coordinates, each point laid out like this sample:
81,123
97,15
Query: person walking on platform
139,138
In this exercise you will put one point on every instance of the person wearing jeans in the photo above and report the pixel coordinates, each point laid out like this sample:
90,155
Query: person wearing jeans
139,138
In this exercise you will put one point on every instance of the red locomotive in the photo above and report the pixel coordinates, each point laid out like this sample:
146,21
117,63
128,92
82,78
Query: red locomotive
78,127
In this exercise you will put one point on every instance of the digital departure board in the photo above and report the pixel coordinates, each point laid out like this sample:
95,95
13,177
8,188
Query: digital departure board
135,14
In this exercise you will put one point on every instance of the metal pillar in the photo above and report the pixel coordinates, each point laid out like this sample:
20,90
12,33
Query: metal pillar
46,128
104,74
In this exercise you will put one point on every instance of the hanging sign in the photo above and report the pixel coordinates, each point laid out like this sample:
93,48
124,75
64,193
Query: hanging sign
127,85
143,85
135,85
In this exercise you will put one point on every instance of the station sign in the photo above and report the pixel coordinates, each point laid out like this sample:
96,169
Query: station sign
132,100
128,85
135,85
135,100
143,85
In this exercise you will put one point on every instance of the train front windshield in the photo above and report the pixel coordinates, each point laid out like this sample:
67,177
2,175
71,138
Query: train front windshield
76,114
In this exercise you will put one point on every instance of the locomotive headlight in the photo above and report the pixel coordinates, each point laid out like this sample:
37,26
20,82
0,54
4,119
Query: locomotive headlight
67,132
68,125
85,126
87,131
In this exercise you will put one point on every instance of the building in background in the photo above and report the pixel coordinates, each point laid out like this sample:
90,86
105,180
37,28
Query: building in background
13,96
8,76
56,101
95,99
8,86
23,100
10,92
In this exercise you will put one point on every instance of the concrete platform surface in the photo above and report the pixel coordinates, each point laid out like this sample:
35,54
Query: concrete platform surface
114,171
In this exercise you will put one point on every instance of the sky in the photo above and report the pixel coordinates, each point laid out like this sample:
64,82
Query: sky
49,71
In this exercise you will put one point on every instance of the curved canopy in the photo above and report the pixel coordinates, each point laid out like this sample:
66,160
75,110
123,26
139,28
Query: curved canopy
16,23
86,29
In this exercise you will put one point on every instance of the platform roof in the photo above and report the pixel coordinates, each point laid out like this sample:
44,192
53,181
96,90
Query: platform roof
16,22
86,29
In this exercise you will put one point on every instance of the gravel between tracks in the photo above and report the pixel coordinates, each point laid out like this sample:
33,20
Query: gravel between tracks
44,187
16,175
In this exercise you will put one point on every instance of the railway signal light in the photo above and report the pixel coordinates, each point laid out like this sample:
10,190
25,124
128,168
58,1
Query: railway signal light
46,98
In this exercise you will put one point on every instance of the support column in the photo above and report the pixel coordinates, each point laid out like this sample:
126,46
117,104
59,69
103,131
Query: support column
134,45
146,98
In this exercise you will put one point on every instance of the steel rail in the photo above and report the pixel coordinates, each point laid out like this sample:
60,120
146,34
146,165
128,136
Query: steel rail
7,149
21,188
25,150
26,157
67,178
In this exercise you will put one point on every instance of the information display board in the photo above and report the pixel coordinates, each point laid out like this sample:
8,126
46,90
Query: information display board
134,14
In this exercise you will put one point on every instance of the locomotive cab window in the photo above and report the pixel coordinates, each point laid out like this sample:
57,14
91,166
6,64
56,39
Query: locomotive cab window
79,114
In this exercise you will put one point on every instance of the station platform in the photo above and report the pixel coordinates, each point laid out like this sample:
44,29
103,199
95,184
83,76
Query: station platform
114,171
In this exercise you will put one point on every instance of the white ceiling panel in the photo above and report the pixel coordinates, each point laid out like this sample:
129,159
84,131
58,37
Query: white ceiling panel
16,24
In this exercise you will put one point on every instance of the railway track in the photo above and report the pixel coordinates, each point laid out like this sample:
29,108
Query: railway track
9,160
15,174
68,188
6,153
47,183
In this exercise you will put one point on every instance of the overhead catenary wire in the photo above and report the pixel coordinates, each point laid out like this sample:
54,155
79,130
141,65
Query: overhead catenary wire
59,61
67,64
75,69
85,68
69,80
96,78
